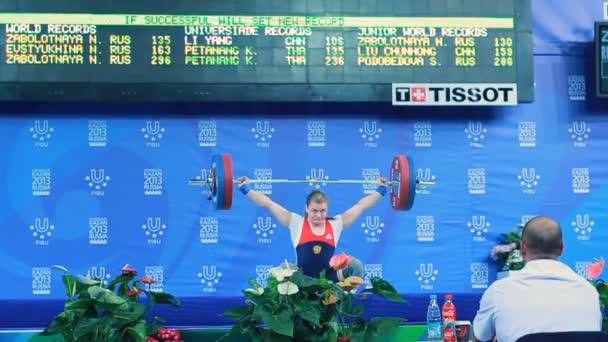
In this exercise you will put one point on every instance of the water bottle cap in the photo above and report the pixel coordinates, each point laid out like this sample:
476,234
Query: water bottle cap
433,296
448,297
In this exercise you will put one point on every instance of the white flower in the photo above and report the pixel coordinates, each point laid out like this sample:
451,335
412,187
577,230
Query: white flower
283,271
257,291
287,288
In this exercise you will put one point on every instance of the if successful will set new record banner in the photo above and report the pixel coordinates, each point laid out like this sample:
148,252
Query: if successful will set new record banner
454,94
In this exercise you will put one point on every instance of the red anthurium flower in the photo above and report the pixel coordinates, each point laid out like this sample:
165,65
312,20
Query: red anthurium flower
596,268
127,270
338,262
147,280
134,292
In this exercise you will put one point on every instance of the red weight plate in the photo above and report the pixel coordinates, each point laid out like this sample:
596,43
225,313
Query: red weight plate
403,190
228,180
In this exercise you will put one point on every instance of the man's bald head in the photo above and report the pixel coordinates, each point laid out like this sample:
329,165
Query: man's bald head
542,238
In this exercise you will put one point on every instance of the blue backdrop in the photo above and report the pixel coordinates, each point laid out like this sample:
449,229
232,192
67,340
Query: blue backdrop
93,187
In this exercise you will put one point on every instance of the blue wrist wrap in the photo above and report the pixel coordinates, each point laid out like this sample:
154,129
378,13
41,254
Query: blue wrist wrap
245,188
382,190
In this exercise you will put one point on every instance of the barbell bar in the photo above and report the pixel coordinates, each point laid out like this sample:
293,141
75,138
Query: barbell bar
402,181
312,181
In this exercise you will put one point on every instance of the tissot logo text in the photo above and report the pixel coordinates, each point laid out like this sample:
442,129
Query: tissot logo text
455,94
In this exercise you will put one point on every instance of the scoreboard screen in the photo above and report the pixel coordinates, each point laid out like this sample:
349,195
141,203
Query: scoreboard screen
601,44
275,50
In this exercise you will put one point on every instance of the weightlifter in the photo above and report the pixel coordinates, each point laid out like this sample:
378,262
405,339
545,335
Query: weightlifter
315,235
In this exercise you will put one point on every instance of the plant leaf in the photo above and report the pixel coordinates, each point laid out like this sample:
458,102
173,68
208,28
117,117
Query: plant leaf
61,268
238,312
304,281
310,310
71,284
280,321
138,331
88,325
254,283
164,298
105,298
88,281
152,329
57,326
124,278
80,303
133,312
383,288
381,327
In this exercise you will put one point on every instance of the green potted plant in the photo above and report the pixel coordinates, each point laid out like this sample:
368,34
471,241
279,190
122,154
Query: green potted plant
296,307
114,312
508,254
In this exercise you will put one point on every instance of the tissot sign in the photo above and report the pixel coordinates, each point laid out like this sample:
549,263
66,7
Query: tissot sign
454,94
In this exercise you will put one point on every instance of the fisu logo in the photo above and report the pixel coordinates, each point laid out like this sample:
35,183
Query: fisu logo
263,132
316,133
97,180
581,180
42,230
207,133
41,133
370,133
205,176
528,179
583,226
262,273
579,132
316,178
371,271
423,134
99,273
153,133
154,229
426,275
479,275
426,176
264,229
476,133
478,226
373,228
98,133
210,278
41,280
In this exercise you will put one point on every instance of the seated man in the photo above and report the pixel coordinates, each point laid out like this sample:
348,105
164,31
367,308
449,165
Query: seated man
545,296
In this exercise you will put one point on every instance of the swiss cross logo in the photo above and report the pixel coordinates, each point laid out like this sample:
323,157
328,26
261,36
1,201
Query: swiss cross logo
418,94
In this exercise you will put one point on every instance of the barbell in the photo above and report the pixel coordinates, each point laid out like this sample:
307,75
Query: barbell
402,181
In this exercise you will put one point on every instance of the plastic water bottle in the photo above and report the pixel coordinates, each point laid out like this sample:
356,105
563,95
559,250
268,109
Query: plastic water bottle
448,312
433,320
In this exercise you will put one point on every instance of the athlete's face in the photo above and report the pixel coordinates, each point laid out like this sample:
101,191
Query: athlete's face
317,212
